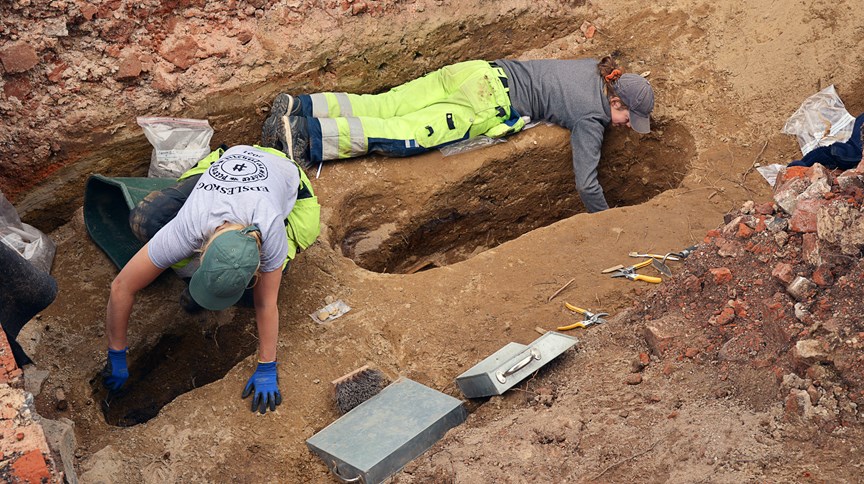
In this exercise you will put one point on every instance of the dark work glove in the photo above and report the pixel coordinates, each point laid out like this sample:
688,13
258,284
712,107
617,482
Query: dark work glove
115,373
265,384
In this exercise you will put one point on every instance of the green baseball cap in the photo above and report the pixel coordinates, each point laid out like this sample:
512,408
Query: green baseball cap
226,268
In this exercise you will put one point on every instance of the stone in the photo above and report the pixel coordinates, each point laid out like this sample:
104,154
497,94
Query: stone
633,379
811,249
130,68
843,225
810,351
60,435
798,405
180,51
801,288
18,57
33,379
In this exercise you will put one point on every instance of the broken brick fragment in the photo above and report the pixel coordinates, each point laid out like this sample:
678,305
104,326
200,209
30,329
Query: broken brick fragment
783,272
721,275
31,467
823,276
744,232
726,316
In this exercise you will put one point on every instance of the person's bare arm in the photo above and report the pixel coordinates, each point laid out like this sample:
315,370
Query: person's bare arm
266,293
137,274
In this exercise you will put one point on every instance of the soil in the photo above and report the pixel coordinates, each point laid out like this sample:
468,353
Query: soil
446,259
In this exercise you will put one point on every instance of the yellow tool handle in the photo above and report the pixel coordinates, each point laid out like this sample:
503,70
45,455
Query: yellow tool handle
574,308
569,327
642,264
651,279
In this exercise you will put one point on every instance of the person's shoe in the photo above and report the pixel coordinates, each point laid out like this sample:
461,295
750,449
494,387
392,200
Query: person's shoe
288,134
297,131
285,104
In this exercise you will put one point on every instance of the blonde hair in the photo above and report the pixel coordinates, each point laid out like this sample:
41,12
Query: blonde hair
226,227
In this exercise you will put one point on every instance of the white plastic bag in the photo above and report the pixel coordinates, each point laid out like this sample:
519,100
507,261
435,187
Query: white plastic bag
821,120
25,239
178,143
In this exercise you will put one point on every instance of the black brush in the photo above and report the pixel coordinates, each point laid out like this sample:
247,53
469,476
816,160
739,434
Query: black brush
358,386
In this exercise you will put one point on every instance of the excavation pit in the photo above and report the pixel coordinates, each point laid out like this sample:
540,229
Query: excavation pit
505,198
179,362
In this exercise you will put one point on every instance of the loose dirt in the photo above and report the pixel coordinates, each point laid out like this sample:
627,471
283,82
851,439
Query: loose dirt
444,260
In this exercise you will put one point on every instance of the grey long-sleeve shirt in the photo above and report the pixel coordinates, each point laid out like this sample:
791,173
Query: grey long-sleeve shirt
568,93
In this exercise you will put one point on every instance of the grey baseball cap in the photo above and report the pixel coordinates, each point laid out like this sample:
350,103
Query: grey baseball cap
636,92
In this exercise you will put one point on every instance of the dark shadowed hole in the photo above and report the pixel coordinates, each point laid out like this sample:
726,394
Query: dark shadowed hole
506,198
179,362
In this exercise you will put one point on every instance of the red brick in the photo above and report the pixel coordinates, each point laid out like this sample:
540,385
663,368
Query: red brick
744,232
792,172
760,224
804,218
9,372
783,272
661,333
766,208
31,467
726,316
18,57
823,276
721,275
691,352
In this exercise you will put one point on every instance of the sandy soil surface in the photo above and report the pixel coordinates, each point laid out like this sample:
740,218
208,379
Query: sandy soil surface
432,299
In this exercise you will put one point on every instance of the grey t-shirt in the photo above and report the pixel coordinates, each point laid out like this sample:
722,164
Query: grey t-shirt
246,186
568,93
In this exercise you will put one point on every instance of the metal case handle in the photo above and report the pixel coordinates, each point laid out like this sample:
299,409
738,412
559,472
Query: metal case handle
534,354
334,469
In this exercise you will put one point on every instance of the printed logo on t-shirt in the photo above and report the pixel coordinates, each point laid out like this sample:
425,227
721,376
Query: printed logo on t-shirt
238,167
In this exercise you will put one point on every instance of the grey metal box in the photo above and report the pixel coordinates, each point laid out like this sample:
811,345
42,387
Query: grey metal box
511,364
378,437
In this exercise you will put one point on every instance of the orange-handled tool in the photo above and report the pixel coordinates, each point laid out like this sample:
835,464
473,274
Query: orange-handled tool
590,318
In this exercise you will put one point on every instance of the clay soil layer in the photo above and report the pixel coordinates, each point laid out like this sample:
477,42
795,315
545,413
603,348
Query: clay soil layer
446,259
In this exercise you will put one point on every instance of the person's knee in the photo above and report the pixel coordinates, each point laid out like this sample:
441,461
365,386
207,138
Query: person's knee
158,208
150,215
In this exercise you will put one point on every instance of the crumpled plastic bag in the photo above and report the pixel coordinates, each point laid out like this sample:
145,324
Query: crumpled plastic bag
178,144
821,120
25,239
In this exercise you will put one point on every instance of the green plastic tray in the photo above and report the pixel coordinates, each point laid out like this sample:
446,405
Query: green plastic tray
107,203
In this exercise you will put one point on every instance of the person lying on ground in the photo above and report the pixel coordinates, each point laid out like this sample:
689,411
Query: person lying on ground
236,209
844,155
463,101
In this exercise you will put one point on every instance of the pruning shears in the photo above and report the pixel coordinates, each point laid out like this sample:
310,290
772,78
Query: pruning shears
630,273
590,318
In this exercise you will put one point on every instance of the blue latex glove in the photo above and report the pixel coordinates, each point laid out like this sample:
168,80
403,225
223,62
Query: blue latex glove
115,373
265,384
